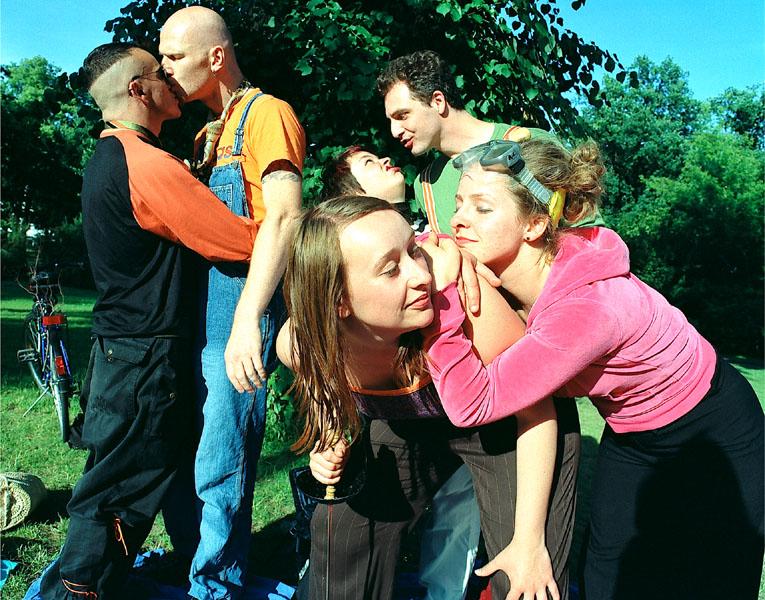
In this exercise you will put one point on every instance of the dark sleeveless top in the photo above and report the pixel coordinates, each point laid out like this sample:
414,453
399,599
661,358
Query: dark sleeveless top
420,401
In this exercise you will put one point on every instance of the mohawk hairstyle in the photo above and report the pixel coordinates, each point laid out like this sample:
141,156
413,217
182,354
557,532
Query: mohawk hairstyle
101,59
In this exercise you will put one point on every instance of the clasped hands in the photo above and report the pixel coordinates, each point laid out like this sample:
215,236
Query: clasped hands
448,263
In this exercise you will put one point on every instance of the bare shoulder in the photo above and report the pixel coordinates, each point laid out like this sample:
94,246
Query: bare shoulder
284,346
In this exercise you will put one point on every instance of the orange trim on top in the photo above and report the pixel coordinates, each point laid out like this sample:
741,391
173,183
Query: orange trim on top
509,131
424,382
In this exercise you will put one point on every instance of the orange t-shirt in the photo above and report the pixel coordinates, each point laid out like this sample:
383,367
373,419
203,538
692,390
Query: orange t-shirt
272,132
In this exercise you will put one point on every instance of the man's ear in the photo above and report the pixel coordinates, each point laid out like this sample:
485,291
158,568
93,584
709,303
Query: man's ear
536,228
217,58
135,89
438,101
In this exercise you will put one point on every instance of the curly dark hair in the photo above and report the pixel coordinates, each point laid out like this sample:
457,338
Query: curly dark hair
423,72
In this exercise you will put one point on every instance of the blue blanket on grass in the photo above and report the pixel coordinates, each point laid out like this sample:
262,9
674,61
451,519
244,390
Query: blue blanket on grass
144,588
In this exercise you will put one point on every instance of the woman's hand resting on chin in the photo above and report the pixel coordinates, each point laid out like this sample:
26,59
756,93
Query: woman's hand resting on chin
444,260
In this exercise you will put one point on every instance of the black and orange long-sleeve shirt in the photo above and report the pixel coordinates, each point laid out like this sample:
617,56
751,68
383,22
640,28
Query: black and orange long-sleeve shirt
141,209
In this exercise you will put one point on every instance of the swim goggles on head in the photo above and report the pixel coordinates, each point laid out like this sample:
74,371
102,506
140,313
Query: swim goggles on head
504,156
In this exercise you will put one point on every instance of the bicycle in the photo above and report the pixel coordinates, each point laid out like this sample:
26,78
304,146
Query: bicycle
44,349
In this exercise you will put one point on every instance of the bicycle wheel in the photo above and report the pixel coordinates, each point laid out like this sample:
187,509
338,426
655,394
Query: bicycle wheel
33,341
61,389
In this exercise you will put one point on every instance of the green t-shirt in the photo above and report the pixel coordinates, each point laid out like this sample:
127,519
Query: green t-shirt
445,178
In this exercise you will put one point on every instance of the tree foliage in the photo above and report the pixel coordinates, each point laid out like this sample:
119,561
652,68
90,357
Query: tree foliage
644,129
685,189
699,239
742,112
514,60
45,144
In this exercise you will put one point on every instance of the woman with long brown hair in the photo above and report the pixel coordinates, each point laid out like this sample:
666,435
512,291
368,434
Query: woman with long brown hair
358,291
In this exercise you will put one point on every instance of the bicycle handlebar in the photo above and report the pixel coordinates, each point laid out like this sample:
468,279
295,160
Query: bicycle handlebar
41,278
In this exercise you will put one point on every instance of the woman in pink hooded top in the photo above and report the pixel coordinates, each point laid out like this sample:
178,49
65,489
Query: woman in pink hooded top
677,497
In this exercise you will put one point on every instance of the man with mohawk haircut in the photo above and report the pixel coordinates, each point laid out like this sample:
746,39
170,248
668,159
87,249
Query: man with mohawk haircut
140,207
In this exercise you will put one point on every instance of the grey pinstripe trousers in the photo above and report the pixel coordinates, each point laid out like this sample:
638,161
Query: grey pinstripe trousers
407,461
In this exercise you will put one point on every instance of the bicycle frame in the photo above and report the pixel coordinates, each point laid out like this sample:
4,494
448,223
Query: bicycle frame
46,352
52,324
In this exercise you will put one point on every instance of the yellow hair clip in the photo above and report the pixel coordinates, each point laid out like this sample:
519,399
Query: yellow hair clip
555,208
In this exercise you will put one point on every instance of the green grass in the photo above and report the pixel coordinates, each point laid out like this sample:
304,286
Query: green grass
31,444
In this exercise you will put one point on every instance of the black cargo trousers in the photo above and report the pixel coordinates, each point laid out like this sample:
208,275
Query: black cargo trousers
137,426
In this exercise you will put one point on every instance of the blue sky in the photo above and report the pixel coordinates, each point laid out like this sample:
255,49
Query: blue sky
720,43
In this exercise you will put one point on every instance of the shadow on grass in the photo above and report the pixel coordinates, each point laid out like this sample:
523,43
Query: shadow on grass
52,509
747,363
275,462
272,552
12,544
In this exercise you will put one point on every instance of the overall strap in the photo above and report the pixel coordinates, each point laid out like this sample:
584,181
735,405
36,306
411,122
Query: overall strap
239,134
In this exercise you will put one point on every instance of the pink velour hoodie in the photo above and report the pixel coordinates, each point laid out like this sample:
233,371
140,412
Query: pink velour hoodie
596,330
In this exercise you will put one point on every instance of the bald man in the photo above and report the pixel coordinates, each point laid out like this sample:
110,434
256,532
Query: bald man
140,207
251,152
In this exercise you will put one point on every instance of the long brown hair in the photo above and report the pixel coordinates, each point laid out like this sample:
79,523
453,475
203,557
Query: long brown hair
315,285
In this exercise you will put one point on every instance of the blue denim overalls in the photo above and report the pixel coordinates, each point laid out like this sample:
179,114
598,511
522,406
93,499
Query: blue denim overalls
234,423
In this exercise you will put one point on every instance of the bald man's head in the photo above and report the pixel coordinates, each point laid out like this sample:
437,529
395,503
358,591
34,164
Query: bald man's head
198,26
198,54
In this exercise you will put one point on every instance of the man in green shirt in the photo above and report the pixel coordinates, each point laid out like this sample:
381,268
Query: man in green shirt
426,112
